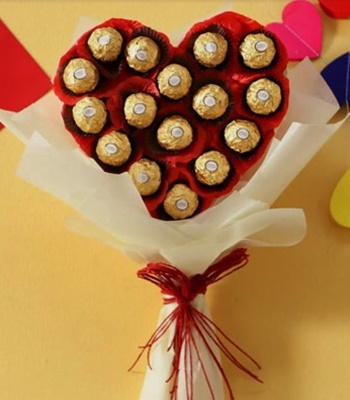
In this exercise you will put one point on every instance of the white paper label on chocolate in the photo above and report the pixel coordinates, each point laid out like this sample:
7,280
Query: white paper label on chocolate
141,55
243,133
211,166
261,46
104,40
174,80
177,132
111,148
211,47
209,101
142,177
89,112
80,73
263,95
139,109
182,204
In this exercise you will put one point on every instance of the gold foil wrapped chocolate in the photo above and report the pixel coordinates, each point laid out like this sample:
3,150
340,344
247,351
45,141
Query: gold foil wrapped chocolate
90,114
210,101
180,202
210,49
212,168
140,109
257,50
114,148
146,176
175,133
242,136
80,76
264,96
105,44
142,53
174,81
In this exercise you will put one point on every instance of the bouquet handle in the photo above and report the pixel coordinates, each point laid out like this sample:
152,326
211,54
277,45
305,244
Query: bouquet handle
183,353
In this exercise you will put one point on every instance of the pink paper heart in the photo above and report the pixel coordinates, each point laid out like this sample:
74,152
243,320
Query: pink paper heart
301,30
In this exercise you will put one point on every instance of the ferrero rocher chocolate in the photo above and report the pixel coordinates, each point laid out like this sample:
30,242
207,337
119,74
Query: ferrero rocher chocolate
210,101
180,202
242,136
257,50
140,110
264,96
146,176
113,148
142,53
90,114
174,81
210,49
80,76
212,168
105,44
175,133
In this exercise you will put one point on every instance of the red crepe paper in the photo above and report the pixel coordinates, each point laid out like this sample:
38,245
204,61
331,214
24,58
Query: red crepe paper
22,80
118,80
301,30
177,288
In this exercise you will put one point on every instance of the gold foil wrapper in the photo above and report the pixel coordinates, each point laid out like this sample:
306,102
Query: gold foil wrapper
210,101
146,176
212,168
80,76
142,53
140,109
210,49
175,133
257,50
264,96
180,202
90,115
114,149
242,136
105,44
174,81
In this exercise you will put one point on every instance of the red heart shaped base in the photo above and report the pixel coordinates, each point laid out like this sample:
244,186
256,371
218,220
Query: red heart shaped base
185,121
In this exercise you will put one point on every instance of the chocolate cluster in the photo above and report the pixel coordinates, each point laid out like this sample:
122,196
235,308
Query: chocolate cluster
185,122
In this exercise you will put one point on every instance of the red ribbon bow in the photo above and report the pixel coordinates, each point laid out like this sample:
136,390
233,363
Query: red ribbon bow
177,287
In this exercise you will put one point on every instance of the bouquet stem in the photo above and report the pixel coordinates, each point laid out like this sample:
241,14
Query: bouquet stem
184,351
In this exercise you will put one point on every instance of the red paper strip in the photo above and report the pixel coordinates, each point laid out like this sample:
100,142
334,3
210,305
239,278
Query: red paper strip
22,80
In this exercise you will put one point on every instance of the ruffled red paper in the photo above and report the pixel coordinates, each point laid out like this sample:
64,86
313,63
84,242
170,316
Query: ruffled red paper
22,81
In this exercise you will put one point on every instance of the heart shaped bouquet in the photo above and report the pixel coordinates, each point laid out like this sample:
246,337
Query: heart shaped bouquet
167,135
186,121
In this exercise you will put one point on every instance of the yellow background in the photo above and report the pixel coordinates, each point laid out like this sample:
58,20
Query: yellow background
72,311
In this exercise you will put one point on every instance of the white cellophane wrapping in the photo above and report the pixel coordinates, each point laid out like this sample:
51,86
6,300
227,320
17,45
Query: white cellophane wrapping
112,211
156,386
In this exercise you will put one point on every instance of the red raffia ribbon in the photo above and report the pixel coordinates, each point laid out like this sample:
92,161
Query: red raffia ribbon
177,287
